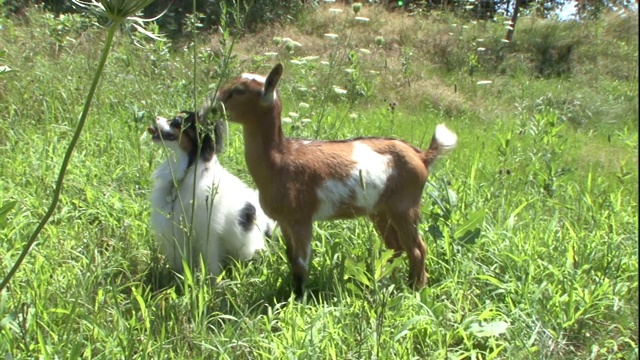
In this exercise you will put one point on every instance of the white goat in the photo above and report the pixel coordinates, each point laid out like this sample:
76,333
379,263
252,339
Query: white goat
227,217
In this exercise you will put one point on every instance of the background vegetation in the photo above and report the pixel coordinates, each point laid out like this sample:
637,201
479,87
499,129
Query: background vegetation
531,223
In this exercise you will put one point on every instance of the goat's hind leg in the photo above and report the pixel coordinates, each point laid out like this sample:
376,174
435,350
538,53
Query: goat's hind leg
298,242
406,225
387,232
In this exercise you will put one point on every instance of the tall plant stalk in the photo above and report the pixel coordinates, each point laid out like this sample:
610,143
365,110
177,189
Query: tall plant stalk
117,11
67,158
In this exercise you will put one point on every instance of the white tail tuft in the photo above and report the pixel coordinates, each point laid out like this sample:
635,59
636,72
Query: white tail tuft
446,138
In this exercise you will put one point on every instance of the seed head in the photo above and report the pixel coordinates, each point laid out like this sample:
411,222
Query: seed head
116,10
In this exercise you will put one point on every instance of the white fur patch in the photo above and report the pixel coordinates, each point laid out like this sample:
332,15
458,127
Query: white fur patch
163,123
163,126
268,98
445,137
305,262
366,183
256,77
219,198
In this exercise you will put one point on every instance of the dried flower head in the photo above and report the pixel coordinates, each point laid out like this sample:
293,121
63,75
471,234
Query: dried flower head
119,11
116,10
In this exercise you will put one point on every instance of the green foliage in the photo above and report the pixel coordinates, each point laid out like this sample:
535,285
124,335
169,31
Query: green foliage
531,223
551,45
244,15
65,28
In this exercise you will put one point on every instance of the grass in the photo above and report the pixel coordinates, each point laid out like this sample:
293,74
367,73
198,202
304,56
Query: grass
531,223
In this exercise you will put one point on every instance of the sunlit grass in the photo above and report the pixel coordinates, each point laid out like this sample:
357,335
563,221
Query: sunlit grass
531,223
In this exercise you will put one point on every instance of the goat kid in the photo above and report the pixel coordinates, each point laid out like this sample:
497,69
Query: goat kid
302,181
227,217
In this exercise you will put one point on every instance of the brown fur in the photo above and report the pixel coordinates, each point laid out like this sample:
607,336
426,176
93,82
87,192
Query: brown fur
289,172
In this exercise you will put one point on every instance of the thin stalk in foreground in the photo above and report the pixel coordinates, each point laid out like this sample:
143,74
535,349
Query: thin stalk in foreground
67,158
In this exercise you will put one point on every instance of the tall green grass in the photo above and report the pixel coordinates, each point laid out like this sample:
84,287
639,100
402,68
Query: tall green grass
531,223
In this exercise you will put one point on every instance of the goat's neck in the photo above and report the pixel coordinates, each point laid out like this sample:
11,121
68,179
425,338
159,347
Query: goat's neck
178,165
264,145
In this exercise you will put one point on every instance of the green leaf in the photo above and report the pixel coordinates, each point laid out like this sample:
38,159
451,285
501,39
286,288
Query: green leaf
405,328
474,221
491,329
490,279
470,236
384,266
353,270
4,211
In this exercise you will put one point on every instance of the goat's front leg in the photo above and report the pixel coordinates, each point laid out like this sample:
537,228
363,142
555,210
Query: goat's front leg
298,241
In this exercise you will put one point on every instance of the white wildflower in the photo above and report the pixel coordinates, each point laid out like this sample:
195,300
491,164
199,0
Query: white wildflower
339,91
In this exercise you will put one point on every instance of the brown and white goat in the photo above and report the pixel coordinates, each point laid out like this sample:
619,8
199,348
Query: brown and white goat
302,181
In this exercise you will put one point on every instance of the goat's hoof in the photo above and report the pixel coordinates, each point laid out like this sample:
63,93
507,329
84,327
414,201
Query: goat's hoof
419,282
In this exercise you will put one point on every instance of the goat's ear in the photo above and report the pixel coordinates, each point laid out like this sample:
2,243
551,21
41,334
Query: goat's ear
271,83
219,133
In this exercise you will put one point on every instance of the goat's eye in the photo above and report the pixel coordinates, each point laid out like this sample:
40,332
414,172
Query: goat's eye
177,122
235,91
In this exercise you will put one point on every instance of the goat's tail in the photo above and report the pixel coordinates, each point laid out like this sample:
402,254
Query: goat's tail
443,141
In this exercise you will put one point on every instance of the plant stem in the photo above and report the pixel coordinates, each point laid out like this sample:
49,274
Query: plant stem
67,158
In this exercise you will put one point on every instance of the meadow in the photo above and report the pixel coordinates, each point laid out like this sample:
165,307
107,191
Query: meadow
531,223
